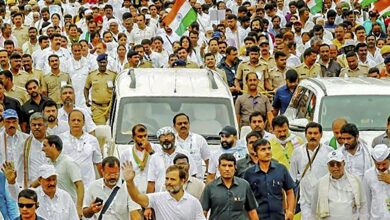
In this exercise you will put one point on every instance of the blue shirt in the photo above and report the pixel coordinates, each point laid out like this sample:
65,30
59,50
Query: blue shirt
8,206
282,98
268,189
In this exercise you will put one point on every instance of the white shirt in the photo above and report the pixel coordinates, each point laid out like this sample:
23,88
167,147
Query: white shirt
85,152
36,159
377,192
168,40
60,128
235,39
198,148
26,47
89,125
120,207
239,151
137,35
78,71
357,164
160,161
14,146
43,62
298,163
61,207
166,207
376,58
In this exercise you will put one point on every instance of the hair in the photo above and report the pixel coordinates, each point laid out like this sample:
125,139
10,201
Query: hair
138,128
351,129
258,143
76,110
9,42
292,75
38,115
180,114
53,55
279,121
308,52
180,156
229,49
7,74
358,28
15,56
29,194
31,81
279,54
331,13
255,49
359,45
227,157
111,161
42,38
255,114
313,125
67,86
182,172
351,54
253,134
54,139
250,73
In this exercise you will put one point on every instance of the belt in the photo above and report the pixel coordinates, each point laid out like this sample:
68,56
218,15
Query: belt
101,104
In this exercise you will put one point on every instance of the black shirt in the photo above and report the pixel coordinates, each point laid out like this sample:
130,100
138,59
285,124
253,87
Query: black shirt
30,107
11,103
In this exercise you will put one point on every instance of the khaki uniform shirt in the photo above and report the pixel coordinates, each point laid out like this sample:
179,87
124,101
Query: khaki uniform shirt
102,86
277,77
21,34
37,75
145,64
18,93
305,72
271,61
246,104
191,64
222,74
361,70
261,69
20,78
52,85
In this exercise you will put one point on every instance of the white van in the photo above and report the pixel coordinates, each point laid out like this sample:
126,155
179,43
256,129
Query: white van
153,96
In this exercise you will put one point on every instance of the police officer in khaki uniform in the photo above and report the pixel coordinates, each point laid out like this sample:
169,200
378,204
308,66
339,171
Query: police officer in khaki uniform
209,61
309,68
11,90
277,74
256,66
354,69
266,56
183,55
132,59
101,82
31,72
20,77
142,62
52,82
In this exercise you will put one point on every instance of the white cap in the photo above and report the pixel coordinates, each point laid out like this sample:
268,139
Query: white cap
380,152
164,131
46,171
335,155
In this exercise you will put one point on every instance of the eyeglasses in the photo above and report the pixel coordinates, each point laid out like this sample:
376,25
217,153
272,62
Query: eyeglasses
335,163
28,205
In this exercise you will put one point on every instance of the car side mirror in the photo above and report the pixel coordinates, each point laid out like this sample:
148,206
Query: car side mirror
298,124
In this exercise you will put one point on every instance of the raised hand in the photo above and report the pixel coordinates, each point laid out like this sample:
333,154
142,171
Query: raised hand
128,171
9,172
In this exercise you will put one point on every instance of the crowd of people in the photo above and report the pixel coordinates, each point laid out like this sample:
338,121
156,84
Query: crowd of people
58,64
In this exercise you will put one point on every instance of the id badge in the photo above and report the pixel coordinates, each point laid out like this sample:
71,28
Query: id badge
388,204
259,75
63,83
110,84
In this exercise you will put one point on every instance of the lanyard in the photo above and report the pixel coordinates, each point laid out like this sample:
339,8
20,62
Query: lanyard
314,156
5,146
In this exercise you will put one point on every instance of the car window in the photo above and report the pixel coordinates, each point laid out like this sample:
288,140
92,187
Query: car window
304,103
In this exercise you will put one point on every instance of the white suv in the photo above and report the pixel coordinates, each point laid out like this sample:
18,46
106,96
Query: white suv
362,101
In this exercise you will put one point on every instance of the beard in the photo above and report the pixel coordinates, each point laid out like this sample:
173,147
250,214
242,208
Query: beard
111,182
166,145
226,145
173,189
51,118
34,94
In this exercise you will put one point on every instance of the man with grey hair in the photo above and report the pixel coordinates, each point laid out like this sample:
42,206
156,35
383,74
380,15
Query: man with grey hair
31,156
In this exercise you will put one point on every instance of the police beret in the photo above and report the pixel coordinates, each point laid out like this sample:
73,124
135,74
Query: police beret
101,57
179,63
387,59
385,49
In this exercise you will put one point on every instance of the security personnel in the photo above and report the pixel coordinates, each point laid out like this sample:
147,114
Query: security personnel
102,83
143,63
56,79
183,55
133,59
354,69
309,68
253,65
277,74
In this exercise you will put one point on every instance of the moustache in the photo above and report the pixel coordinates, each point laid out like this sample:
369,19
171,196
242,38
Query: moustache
183,128
11,127
313,139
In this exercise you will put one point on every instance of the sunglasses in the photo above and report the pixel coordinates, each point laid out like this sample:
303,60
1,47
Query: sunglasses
335,163
28,205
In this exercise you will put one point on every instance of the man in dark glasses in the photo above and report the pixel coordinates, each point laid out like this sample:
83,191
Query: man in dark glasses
28,204
339,195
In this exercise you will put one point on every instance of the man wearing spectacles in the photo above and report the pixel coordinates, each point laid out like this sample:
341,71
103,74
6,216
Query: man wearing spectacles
339,195
28,204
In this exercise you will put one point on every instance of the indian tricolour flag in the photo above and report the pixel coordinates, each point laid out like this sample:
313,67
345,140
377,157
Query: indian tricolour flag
180,17
381,6
315,6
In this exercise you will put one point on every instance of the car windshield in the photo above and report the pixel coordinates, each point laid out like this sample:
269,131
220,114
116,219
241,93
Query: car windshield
368,112
207,115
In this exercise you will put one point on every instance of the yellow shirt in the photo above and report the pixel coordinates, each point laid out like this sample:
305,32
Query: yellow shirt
283,154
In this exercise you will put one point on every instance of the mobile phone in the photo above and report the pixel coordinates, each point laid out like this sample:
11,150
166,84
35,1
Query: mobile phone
98,201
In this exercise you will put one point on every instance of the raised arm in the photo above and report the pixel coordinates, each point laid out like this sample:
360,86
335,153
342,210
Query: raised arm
135,194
